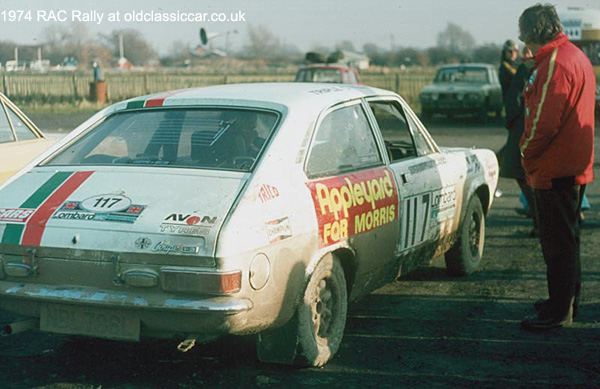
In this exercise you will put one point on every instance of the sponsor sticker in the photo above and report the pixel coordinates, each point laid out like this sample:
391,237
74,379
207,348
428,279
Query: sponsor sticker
278,229
267,193
354,204
100,208
15,215
187,224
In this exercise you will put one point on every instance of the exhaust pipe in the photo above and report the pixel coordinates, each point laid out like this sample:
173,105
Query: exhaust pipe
20,326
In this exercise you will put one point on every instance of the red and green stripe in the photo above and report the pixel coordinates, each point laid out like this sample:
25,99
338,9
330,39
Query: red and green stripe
154,101
46,199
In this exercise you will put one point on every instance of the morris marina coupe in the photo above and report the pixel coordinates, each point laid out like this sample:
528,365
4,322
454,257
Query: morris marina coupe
239,209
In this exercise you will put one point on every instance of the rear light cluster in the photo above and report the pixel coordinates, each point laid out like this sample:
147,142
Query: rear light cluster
201,282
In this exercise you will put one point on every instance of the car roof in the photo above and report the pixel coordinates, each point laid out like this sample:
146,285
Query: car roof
470,64
277,96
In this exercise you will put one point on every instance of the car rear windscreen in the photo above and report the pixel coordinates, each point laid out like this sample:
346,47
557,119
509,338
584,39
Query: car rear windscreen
229,139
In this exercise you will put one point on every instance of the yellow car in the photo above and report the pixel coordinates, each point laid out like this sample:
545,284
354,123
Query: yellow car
20,140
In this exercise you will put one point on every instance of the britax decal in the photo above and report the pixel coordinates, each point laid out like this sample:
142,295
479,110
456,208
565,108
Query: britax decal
187,224
354,204
15,215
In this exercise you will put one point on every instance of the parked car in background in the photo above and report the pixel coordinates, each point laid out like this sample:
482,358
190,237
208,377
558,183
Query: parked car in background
469,88
237,209
339,74
20,140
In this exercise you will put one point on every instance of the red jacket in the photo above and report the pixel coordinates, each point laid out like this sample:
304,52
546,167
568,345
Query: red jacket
558,141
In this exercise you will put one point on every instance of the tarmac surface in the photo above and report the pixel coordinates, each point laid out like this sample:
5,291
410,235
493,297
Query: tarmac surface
425,329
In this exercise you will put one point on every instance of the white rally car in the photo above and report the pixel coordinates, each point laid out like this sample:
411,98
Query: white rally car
238,209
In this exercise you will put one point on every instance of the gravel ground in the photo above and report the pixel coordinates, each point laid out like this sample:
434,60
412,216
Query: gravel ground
425,329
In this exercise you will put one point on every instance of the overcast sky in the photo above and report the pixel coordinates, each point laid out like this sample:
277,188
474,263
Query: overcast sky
408,23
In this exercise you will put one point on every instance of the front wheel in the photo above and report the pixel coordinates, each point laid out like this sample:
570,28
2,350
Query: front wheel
322,314
464,257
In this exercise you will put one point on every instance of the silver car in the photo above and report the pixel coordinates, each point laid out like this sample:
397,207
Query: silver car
239,209
469,88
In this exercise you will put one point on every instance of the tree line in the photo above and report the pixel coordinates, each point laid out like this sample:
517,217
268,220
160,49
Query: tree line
453,44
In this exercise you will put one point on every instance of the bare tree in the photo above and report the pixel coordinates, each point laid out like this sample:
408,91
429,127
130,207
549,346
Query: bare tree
263,44
137,50
72,41
456,40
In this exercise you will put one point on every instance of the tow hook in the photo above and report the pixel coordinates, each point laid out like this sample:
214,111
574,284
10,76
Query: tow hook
188,343
20,326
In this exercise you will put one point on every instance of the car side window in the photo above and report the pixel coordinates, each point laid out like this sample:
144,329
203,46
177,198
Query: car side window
344,141
6,134
21,129
394,129
423,147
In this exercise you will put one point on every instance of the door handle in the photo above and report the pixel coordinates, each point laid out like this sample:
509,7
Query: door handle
404,178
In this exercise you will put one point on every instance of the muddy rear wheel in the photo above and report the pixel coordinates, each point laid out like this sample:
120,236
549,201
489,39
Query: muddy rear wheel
322,313
464,257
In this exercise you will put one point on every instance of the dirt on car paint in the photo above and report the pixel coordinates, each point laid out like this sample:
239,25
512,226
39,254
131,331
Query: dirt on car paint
424,329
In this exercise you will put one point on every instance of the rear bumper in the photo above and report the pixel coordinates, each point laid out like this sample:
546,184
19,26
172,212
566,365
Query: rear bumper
160,314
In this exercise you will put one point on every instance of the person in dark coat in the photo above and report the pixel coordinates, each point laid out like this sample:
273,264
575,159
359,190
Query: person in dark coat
508,65
511,166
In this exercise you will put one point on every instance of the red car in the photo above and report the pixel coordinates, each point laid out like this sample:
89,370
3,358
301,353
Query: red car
328,73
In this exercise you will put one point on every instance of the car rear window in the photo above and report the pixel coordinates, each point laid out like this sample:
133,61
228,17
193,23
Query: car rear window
471,75
229,139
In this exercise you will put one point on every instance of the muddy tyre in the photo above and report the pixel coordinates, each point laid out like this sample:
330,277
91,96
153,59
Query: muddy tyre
322,314
464,257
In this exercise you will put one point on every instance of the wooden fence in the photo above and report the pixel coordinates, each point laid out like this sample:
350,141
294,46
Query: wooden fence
71,88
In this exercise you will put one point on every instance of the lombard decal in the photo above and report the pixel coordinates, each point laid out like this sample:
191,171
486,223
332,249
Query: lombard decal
15,215
354,204
267,193
187,224
74,210
443,204
279,229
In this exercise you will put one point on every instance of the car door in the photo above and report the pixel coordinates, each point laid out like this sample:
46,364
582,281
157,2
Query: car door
417,165
354,193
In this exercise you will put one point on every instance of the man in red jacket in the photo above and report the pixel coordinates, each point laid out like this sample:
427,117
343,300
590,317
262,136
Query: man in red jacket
558,155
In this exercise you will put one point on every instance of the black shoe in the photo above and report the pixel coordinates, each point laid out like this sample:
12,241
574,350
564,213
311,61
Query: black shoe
540,305
542,322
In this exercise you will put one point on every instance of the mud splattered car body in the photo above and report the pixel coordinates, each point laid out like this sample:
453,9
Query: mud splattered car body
140,223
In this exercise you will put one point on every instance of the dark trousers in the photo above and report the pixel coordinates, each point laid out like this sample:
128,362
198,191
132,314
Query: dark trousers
529,196
559,228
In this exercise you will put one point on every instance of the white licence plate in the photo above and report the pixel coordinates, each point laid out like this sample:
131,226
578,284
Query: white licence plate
101,323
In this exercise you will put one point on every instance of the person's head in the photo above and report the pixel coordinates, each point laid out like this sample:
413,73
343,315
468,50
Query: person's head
510,50
538,25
